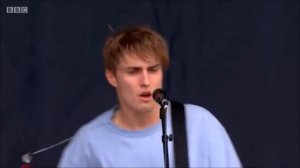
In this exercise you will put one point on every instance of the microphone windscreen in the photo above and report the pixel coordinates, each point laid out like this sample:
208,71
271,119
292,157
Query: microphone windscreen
159,95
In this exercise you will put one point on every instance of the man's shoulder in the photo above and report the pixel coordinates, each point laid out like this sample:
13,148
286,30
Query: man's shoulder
196,110
97,123
193,107
200,115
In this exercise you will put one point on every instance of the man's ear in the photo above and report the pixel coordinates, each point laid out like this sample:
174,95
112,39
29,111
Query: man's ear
111,78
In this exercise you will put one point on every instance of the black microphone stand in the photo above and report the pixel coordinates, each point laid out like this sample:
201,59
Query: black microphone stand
165,137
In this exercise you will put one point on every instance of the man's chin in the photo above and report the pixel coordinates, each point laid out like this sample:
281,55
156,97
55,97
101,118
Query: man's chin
147,107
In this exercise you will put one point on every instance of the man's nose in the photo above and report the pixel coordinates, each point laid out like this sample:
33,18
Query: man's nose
145,79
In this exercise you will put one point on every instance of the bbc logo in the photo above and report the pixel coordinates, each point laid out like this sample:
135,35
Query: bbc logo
16,9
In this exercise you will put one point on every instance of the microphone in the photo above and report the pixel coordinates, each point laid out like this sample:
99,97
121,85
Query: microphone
160,97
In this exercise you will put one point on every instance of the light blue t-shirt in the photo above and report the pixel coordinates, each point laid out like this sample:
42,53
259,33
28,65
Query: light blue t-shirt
100,143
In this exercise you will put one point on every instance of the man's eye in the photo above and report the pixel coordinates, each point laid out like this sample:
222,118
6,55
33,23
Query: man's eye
132,72
153,69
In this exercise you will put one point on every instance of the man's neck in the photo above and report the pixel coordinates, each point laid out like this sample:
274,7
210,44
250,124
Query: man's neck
135,121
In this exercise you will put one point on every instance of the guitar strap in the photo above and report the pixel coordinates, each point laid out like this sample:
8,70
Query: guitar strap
179,132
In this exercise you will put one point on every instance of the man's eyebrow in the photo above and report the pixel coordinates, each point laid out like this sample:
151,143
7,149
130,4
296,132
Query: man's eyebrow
137,67
132,67
155,66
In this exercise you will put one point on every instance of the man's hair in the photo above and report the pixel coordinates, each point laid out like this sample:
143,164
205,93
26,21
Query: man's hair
139,40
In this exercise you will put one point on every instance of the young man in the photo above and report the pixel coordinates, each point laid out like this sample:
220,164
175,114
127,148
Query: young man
129,134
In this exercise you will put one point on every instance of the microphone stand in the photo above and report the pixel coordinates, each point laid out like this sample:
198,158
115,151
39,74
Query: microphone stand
165,137
27,158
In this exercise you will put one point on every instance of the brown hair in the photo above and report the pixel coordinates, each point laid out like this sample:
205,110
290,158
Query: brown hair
140,40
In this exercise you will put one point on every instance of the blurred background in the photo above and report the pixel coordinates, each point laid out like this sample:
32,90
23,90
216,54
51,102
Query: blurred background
239,60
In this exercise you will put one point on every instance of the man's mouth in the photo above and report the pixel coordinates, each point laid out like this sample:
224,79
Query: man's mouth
145,94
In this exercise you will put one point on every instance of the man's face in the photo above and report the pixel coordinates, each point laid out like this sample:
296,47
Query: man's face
135,80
